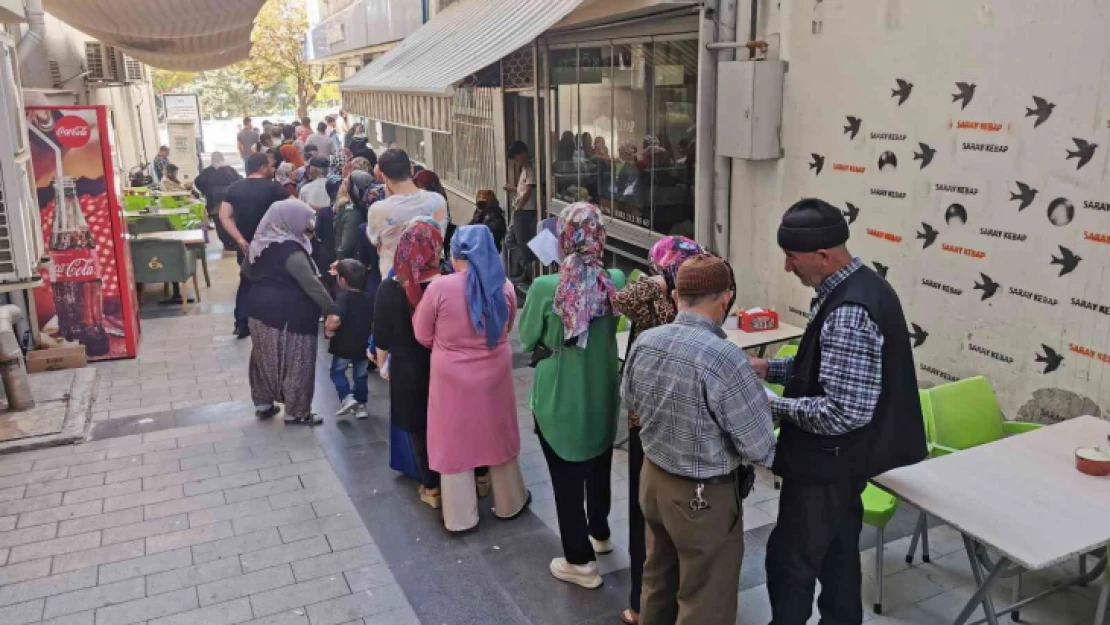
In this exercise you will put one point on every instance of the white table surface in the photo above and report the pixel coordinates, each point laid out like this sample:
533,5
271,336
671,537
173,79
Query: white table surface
746,340
1021,495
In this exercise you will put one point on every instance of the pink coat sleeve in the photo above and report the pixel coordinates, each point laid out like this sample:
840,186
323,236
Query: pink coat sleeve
424,319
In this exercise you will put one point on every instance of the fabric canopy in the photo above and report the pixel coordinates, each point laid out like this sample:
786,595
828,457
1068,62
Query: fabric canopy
459,41
182,35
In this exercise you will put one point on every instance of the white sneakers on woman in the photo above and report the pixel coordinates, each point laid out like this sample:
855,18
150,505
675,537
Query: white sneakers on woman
584,575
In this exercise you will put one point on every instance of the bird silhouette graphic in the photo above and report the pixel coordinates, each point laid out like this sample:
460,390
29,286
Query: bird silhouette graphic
988,287
902,92
818,164
929,235
967,92
925,155
1042,111
918,335
1026,195
1068,261
853,126
881,269
1085,152
1050,359
852,213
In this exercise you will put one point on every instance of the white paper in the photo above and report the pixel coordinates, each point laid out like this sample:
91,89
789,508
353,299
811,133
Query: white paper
770,393
753,311
546,247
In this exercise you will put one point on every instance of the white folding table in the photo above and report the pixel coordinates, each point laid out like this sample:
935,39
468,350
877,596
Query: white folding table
1020,497
746,340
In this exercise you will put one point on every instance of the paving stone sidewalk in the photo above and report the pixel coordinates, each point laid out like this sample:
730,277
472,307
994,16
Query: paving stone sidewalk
212,524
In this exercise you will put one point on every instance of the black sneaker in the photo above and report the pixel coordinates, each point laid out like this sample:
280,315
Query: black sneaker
309,420
267,413
242,333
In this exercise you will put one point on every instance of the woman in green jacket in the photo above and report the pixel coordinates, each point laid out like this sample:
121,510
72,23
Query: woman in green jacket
576,391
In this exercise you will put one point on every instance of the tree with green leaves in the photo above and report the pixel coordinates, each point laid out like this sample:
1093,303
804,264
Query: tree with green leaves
277,53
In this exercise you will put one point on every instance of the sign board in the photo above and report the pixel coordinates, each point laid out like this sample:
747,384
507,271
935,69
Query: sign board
183,106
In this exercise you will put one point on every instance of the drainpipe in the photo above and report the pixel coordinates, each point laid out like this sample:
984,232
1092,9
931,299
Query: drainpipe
720,24
31,49
13,371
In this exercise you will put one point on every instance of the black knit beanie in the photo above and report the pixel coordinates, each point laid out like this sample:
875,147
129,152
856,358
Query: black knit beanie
812,225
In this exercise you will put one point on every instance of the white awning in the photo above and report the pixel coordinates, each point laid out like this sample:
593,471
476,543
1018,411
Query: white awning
462,39
187,35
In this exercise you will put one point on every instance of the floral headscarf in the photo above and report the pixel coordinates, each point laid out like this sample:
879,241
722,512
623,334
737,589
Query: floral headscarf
287,220
339,161
668,254
284,173
418,257
585,291
344,197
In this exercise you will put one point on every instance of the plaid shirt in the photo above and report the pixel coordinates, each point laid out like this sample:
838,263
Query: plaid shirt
702,409
851,368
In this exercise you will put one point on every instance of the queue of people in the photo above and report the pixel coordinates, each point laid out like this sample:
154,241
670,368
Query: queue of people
431,312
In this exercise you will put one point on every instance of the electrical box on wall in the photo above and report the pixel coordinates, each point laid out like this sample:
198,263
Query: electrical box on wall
749,109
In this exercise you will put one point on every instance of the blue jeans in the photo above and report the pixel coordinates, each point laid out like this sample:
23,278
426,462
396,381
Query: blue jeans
339,377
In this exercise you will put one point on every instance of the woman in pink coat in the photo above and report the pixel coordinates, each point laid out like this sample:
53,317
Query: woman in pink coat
465,319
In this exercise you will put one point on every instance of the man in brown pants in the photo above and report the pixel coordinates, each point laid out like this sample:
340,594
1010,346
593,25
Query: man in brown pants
702,412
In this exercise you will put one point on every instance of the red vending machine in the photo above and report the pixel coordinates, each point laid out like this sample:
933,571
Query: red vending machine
88,295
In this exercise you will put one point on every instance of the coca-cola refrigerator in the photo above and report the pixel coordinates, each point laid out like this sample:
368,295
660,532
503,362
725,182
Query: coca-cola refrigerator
88,293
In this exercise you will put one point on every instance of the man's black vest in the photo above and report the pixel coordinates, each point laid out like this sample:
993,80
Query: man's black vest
895,436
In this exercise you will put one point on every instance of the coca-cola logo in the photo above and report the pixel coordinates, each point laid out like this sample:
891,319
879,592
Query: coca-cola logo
72,132
74,266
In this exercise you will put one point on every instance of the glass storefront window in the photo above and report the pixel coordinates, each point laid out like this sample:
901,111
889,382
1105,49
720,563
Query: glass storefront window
623,120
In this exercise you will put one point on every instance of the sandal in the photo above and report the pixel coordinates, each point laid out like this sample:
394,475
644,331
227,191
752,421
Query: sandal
527,503
434,501
628,617
267,413
483,484
309,420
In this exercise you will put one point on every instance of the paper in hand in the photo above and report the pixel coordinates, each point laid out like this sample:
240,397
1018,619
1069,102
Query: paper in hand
546,247
770,393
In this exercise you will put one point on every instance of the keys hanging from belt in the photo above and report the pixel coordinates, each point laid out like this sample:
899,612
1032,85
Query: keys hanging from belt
699,503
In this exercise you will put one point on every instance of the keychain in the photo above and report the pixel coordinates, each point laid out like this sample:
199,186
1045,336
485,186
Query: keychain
698,503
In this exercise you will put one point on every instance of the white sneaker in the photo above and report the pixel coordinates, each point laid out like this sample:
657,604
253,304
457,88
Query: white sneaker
601,546
584,575
346,406
361,412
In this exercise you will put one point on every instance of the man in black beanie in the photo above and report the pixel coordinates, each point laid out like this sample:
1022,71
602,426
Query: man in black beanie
849,412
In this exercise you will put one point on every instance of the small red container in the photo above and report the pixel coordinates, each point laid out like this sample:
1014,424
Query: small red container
760,321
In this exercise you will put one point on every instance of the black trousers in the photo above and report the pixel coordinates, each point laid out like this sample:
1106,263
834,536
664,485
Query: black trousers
241,296
418,442
570,480
637,542
816,538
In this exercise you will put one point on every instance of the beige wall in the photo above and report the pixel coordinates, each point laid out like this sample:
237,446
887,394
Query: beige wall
845,58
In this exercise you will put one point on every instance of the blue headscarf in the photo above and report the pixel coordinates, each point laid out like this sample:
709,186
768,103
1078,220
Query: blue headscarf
485,281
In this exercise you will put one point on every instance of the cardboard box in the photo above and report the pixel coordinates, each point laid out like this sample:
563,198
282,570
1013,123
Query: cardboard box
56,359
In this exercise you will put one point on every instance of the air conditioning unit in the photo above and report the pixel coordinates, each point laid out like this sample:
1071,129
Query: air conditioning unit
97,60
21,245
133,71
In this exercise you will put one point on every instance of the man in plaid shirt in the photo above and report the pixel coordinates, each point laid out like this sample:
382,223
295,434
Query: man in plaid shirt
849,412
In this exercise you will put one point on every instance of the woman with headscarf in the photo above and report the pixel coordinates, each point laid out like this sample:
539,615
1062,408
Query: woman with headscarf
284,307
648,304
465,319
570,323
417,264
351,208
488,213
285,177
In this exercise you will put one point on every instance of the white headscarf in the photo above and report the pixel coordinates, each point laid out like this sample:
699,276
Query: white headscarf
217,159
287,220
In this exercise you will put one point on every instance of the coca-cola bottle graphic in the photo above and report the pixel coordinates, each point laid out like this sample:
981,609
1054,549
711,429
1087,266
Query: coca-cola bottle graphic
76,274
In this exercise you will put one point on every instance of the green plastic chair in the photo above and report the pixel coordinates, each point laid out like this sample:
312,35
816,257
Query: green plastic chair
784,351
879,507
146,224
965,414
625,324
165,261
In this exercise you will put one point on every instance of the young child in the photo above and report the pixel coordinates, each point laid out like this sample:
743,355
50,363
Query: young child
348,343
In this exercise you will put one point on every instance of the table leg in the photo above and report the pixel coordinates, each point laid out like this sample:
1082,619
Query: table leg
982,595
204,265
